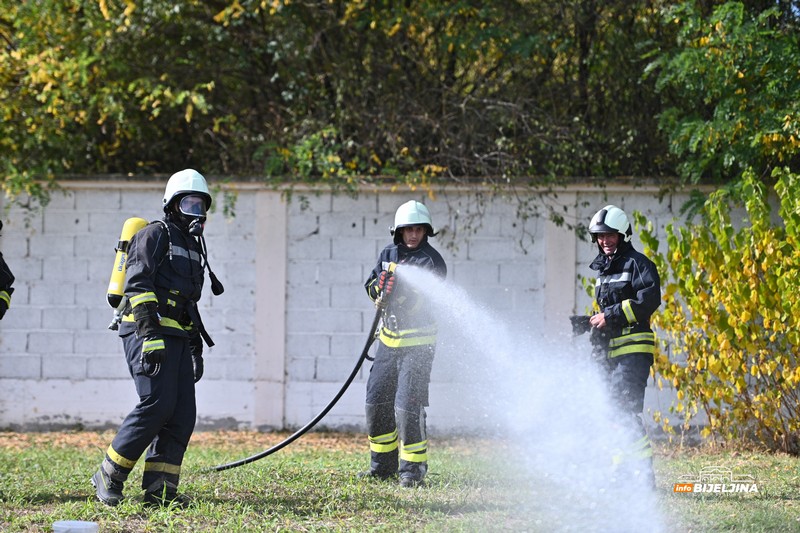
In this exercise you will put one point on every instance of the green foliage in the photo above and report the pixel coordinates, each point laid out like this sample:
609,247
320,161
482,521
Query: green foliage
732,314
79,97
346,93
733,82
332,93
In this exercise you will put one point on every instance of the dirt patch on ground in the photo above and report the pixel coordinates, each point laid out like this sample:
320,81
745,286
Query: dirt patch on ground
216,439
237,440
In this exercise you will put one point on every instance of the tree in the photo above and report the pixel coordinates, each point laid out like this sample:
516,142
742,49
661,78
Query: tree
733,83
331,92
730,319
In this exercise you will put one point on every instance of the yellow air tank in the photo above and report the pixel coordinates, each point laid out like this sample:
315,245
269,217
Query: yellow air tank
117,284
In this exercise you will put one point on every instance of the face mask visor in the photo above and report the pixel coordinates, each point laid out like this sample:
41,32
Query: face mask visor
193,206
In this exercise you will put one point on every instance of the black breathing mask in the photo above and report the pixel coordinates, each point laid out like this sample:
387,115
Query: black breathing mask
192,209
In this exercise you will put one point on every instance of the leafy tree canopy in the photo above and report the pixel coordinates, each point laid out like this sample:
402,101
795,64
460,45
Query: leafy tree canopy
342,92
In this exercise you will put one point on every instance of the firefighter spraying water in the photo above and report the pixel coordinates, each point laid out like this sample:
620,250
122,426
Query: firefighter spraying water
397,388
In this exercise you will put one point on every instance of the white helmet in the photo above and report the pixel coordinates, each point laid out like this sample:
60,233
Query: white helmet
187,181
610,219
411,213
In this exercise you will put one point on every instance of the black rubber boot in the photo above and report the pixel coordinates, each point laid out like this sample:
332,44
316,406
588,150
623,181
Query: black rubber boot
373,474
165,494
412,474
108,490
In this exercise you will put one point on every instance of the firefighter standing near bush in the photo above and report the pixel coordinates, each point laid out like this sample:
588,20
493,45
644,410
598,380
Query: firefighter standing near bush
397,388
627,293
6,282
163,337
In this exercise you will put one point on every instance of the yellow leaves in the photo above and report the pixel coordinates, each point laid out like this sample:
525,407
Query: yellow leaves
715,365
434,169
732,315
104,9
232,11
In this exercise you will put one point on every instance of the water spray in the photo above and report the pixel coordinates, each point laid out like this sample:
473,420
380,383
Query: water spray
543,396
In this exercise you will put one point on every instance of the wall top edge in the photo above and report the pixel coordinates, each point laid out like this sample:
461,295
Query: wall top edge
157,182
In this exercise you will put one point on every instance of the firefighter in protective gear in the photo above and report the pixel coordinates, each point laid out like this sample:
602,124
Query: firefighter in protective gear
397,388
627,293
6,282
162,335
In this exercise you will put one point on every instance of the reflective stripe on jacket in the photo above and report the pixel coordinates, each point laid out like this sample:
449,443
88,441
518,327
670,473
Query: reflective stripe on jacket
628,291
164,267
407,319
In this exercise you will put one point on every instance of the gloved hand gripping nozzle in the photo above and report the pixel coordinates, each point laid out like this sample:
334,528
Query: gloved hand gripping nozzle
386,286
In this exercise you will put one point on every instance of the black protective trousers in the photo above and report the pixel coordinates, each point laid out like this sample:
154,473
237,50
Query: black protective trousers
627,378
397,394
165,416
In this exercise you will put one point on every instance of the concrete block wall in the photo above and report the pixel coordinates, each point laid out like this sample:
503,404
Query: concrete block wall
293,318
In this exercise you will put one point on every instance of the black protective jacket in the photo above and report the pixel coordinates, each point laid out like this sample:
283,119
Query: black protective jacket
628,291
164,266
408,320
6,281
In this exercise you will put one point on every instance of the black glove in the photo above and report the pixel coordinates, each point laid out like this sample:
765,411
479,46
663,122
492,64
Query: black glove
197,366
146,316
153,350
3,308
580,324
196,349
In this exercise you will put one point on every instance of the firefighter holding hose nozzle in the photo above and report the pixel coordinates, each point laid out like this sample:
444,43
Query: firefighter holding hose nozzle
627,293
397,388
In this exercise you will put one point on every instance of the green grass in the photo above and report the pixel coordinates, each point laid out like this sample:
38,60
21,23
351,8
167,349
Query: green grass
311,486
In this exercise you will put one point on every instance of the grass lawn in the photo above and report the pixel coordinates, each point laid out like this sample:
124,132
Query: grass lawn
311,486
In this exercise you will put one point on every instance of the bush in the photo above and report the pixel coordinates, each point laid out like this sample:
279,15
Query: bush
730,319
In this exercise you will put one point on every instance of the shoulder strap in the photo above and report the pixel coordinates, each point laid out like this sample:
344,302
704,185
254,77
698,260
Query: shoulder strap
165,227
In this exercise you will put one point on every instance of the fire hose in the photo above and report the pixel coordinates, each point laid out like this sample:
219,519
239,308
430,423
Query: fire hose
373,330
